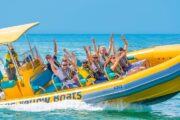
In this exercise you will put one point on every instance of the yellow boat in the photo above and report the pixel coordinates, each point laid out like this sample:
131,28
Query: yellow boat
35,83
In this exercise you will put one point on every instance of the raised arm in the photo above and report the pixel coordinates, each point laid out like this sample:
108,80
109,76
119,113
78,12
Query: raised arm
110,44
87,54
90,53
113,67
67,53
126,43
98,51
114,48
55,47
55,71
94,43
73,61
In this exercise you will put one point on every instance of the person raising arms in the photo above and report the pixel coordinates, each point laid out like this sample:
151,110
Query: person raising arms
95,64
128,67
85,72
56,63
102,52
113,68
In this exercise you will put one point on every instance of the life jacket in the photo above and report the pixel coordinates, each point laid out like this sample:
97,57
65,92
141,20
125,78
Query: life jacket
97,66
119,69
98,70
9,63
67,73
124,62
103,58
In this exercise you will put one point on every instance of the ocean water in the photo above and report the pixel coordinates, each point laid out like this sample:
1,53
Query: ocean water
72,110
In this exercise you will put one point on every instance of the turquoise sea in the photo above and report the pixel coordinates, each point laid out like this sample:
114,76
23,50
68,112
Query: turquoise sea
76,110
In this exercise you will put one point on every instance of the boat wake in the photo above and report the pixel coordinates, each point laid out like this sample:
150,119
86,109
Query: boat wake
74,105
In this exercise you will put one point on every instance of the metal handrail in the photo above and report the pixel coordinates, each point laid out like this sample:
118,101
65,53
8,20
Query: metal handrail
54,82
42,88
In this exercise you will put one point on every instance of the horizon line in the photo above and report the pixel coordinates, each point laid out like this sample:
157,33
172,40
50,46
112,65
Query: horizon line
109,33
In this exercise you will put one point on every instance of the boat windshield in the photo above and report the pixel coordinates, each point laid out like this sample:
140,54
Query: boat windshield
29,56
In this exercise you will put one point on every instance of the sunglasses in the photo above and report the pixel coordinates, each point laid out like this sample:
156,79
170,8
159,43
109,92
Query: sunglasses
95,57
85,63
112,57
64,65
64,60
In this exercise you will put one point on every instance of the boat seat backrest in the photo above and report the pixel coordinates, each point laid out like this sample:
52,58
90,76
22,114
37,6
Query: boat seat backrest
1,76
42,79
57,84
8,84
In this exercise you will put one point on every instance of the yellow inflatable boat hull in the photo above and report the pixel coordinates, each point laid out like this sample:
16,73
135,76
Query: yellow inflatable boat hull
158,83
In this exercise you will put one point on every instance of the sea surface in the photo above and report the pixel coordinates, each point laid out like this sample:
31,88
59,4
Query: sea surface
76,110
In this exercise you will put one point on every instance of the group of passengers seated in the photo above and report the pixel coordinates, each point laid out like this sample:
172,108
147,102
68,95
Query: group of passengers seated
100,65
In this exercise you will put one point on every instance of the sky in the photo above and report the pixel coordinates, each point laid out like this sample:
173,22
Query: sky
94,16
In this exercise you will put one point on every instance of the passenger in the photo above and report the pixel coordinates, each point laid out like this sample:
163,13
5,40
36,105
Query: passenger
103,53
56,63
63,73
90,77
72,68
94,62
134,67
70,56
113,67
70,75
85,73
9,65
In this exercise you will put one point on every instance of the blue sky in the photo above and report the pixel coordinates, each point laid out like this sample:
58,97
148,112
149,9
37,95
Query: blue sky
93,16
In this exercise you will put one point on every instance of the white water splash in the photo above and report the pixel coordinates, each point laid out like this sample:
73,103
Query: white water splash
38,107
73,105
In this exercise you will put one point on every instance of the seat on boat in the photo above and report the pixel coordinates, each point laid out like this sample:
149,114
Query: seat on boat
40,81
8,84
1,76
131,58
55,86
102,79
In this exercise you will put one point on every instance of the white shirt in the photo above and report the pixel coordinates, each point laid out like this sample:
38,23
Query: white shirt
62,77
60,74
101,60
94,66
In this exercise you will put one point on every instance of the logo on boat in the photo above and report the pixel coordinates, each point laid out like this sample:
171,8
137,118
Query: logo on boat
70,96
56,98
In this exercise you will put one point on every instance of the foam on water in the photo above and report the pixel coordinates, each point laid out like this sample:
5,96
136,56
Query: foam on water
75,105
38,107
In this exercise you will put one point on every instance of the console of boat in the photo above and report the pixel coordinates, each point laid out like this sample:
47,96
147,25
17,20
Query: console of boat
35,83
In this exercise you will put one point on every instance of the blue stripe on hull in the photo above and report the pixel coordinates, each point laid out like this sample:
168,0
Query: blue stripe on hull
158,99
135,86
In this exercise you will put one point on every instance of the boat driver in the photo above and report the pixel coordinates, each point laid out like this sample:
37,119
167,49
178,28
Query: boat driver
9,65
